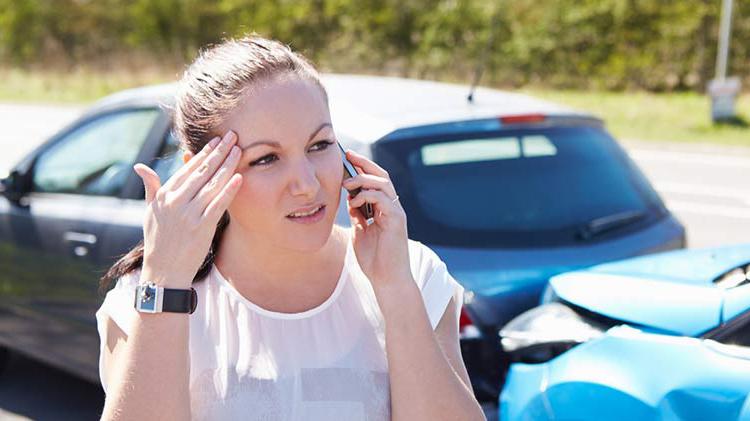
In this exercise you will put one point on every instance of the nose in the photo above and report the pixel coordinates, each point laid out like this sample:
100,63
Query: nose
304,181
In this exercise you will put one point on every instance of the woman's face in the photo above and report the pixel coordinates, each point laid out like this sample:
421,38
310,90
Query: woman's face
300,165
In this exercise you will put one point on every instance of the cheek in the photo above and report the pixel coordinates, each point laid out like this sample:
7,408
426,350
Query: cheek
331,171
257,195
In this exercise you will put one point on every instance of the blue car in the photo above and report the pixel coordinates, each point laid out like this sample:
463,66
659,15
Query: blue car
507,189
659,337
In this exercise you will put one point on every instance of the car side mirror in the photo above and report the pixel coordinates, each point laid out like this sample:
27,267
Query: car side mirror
14,186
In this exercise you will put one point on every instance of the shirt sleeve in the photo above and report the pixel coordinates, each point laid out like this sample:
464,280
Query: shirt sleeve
118,305
435,282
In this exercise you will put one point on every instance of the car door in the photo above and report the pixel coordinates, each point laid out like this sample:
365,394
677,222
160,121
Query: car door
53,258
124,229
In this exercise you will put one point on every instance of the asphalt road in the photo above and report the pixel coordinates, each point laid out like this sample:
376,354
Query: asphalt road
704,185
33,391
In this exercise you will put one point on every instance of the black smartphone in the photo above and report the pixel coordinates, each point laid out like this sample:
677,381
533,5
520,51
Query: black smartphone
350,171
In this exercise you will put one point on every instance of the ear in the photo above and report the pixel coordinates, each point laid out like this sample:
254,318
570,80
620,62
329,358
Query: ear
186,157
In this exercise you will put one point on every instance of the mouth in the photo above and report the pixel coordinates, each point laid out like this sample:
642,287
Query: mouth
307,213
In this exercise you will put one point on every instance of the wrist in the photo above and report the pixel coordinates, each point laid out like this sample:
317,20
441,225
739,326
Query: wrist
165,280
152,298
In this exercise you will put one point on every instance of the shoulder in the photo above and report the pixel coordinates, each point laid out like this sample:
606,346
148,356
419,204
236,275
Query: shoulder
435,282
424,262
422,252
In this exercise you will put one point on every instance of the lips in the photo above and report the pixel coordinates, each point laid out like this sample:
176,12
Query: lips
305,210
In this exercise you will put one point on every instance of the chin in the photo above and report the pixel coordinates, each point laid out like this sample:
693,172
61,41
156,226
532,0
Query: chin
308,238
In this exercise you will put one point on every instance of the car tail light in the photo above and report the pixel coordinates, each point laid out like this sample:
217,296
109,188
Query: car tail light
466,327
523,118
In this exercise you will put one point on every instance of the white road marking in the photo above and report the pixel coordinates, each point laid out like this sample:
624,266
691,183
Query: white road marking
690,158
708,190
711,210
703,195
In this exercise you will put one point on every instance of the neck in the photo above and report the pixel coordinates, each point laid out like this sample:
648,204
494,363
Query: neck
242,258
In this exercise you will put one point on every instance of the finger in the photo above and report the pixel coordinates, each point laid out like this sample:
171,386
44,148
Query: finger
383,203
366,164
357,217
221,202
184,172
150,179
195,181
219,179
369,181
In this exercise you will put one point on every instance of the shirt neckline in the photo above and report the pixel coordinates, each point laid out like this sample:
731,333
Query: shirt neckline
281,315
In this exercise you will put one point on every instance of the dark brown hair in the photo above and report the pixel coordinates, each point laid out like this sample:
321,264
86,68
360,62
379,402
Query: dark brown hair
211,87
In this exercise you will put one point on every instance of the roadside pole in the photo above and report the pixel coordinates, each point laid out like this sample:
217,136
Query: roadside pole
723,90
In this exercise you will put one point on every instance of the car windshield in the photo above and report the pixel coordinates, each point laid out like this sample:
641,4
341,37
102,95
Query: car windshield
516,188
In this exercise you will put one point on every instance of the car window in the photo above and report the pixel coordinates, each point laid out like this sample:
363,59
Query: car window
97,157
490,149
169,159
521,187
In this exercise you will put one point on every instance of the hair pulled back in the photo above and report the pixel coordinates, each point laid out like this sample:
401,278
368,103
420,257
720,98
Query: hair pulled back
210,88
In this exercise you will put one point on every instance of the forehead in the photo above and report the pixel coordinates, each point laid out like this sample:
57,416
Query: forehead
282,109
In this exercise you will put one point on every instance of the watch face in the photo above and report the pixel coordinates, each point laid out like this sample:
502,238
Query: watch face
146,298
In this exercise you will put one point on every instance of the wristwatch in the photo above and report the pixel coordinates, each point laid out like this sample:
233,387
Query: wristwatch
151,298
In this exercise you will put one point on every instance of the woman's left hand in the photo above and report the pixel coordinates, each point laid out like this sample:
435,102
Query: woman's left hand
382,247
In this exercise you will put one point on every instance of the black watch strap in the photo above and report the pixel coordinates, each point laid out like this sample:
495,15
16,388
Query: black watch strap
179,300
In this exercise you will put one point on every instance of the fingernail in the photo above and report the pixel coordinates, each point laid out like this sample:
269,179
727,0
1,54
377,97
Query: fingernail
214,142
229,136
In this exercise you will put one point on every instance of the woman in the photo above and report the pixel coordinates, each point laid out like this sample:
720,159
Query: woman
296,318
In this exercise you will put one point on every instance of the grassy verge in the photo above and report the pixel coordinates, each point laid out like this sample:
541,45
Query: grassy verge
675,117
76,87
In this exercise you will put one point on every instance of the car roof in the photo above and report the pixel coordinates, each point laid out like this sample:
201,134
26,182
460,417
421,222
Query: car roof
366,108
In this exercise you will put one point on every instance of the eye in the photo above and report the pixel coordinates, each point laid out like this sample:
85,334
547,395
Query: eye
262,161
324,144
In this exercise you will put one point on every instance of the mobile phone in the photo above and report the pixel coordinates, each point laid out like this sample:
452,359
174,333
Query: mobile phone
350,171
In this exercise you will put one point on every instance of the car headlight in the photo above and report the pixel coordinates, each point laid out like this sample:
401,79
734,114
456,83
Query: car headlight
545,332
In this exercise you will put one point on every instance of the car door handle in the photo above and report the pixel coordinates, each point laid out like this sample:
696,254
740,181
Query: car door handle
79,237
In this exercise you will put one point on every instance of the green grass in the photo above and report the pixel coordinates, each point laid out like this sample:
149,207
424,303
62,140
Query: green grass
674,117
78,86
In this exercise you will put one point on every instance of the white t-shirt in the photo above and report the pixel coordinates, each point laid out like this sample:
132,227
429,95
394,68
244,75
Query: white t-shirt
325,363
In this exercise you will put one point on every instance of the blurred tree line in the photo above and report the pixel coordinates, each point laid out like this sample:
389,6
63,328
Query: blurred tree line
610,44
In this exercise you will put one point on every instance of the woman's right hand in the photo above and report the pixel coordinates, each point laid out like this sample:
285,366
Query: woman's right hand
181,216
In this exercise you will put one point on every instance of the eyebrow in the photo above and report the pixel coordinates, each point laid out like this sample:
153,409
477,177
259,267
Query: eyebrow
278,145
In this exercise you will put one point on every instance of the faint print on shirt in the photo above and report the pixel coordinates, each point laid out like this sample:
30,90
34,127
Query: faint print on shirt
324,394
